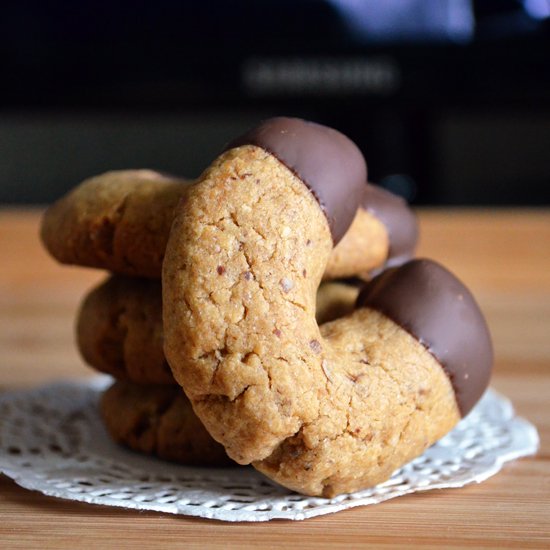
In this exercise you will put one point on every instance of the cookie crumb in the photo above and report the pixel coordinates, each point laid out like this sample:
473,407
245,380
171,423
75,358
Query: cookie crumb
286,284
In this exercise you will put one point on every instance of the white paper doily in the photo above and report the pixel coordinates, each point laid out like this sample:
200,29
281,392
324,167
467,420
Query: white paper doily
52,440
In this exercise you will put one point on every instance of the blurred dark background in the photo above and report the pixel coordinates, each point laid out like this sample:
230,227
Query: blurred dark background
448,99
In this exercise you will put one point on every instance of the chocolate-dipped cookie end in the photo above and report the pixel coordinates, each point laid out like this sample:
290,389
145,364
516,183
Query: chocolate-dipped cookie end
440,312
328,162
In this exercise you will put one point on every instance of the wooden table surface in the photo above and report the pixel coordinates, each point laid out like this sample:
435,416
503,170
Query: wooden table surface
503,256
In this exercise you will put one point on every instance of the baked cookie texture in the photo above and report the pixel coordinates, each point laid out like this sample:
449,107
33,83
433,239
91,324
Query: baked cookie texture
119,330
385,400
119,326
159,421
120,221
117,221
320,410
239,296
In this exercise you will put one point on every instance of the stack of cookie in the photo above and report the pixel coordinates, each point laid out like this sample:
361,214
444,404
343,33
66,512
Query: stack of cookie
320,390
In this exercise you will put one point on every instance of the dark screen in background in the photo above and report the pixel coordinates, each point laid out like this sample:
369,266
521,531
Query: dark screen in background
448,99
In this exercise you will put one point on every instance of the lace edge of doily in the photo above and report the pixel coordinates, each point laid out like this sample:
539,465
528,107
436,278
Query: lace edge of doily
525,436
528,433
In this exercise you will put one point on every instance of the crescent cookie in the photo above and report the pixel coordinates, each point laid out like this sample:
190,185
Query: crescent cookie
119,326
319,410
120,221
159,421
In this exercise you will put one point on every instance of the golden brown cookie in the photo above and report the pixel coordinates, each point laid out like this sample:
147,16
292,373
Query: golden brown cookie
120,221
119,326
159,421
119,330
320,410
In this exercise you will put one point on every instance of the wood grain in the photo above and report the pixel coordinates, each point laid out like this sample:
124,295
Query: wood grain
504,256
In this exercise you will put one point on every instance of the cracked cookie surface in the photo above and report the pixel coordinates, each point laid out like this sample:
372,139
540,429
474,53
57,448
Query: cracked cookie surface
239,301
239,291
321,410
384,401
119,326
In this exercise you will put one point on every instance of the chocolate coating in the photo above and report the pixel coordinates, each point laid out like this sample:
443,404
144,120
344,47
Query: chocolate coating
430,303
399,220
328,162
